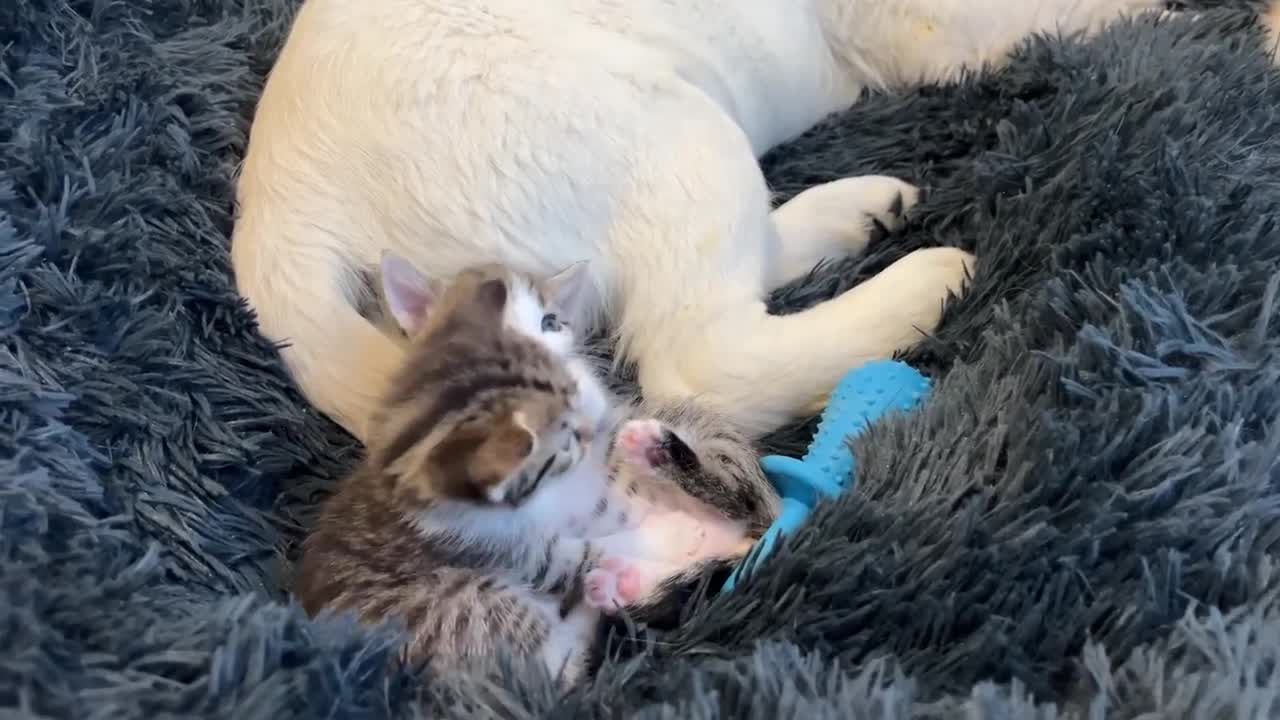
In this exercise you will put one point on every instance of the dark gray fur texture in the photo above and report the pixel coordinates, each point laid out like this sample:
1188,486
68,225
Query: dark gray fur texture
1086,513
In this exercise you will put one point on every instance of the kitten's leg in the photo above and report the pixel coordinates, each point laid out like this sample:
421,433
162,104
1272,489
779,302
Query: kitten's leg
835,220
639,444
621,581
555,566
481,611
620,567
568,639
670,470
698,465
486,610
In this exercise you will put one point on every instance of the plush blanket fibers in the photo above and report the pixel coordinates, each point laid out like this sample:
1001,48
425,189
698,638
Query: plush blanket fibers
1083,519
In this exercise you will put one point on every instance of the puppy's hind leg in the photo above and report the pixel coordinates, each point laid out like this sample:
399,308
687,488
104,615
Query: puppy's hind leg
764,370
698,265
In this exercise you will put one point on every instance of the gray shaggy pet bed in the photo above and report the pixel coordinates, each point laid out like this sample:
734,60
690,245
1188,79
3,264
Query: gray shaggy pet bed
1083,521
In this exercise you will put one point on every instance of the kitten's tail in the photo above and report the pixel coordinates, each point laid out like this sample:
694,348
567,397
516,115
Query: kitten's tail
341,361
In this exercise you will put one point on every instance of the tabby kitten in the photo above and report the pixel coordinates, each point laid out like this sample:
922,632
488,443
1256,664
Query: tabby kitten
433,528
461,522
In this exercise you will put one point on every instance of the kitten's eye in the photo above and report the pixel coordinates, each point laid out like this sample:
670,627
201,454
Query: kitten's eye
551,323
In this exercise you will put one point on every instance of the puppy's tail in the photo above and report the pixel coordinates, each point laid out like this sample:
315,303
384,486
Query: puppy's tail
307,304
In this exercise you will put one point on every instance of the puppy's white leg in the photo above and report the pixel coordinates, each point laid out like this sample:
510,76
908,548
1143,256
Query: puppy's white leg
834,220
696,257
766,369
713,339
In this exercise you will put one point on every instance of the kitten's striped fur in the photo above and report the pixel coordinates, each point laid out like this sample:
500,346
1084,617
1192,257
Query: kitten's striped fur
428,530
487,501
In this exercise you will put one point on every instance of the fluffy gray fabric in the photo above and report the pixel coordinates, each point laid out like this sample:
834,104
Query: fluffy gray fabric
1084,517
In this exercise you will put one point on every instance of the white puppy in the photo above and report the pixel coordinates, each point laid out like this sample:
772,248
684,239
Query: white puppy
540,133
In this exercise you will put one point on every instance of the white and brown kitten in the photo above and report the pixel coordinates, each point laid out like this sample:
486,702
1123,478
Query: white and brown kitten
461,521
658,508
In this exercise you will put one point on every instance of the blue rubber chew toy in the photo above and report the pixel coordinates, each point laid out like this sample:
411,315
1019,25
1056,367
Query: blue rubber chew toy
862,396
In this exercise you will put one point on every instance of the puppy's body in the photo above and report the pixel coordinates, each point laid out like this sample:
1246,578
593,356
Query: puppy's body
620,132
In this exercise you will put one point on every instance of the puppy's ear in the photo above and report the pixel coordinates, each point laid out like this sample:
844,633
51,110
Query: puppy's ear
407,295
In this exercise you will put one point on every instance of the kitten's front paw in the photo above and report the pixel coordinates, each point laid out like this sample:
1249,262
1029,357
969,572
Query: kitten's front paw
613,585
641,443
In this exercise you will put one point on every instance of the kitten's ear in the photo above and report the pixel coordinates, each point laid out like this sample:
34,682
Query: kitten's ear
483,305
510,443
491,296
474,462
567,288
407,294
478,464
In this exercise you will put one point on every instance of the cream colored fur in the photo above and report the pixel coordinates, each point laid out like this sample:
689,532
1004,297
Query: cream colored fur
620,132
1271,25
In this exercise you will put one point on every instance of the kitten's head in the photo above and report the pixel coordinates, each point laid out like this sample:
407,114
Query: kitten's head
500,456
485,407
544,309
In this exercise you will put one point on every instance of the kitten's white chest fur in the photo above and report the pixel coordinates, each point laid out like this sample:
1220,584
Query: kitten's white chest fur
623,133
657,523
